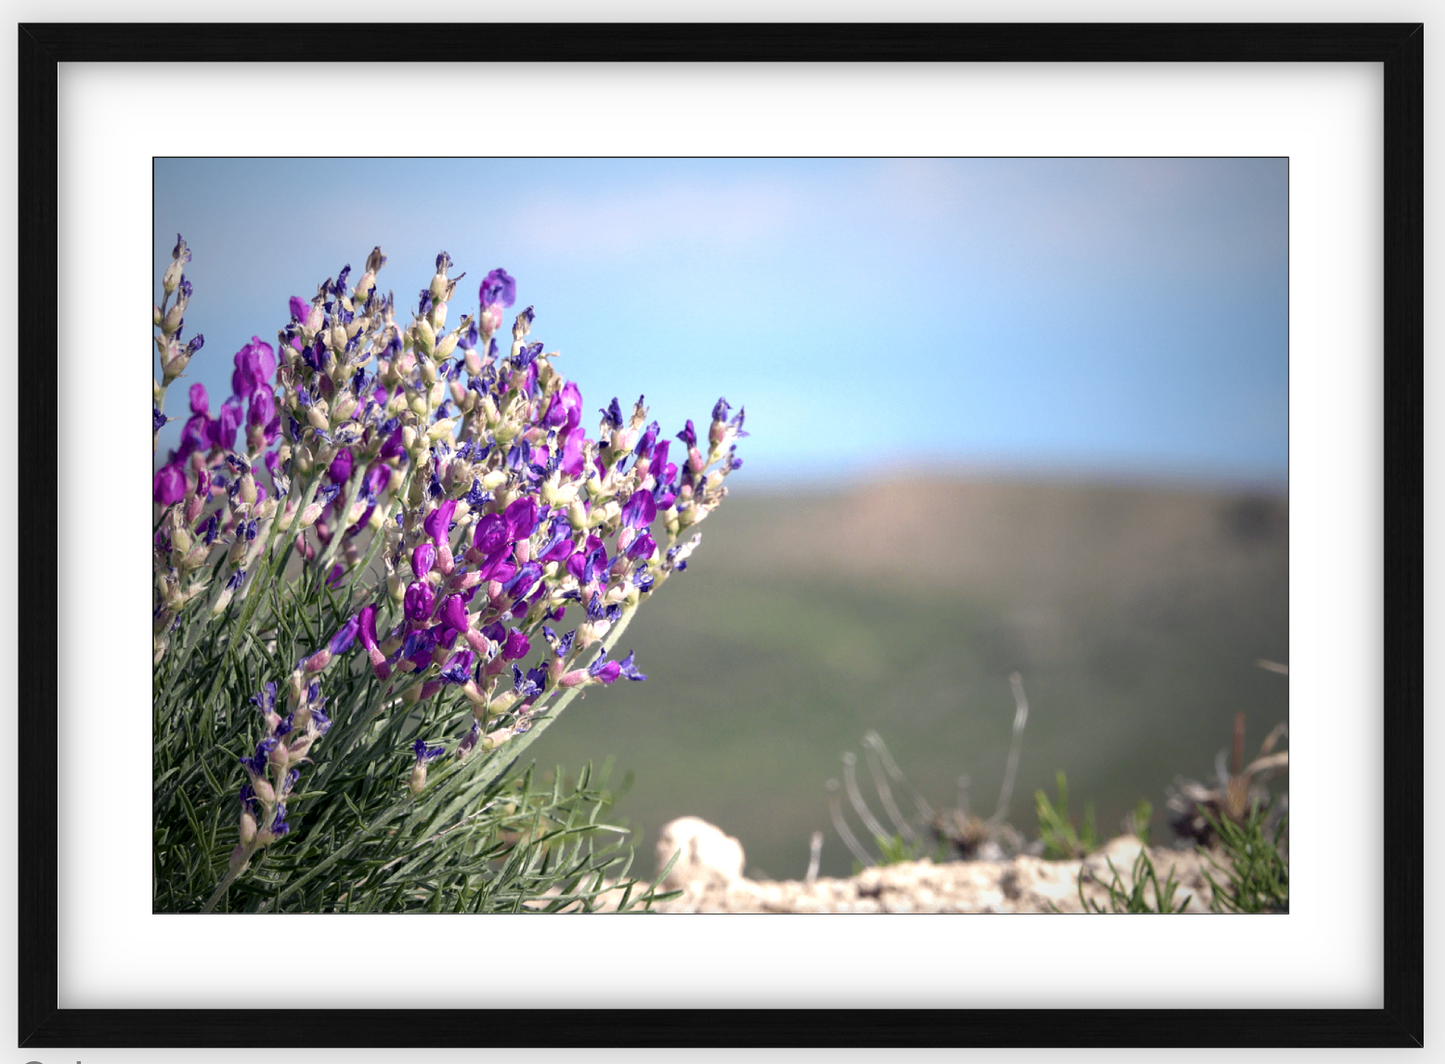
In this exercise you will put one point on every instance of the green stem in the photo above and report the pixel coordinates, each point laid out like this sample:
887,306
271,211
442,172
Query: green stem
230,876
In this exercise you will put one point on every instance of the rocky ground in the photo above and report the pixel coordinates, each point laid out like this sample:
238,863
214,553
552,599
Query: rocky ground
709,874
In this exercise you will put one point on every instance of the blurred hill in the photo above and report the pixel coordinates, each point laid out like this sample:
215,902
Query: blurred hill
1135,616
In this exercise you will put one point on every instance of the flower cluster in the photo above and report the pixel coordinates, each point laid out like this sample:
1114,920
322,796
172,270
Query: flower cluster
508,514
510,543
209,492
273,770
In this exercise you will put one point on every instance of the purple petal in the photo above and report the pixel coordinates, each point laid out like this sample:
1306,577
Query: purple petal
498,287
340,470
345,636
419,602
491,534
521,518
438,522
170,485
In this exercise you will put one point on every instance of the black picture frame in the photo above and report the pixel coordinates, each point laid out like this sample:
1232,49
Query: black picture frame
1398,47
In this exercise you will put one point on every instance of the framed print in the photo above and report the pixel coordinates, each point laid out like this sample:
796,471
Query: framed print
696,91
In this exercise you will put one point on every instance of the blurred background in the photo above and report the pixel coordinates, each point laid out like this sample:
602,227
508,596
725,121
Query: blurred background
1007,415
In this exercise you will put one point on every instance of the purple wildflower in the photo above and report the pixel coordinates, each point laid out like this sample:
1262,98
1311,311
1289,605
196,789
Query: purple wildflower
515,645
222,431
345,636
639,510
454,612
340,470
498,288
523,580
604,670
438,522
521,517
170,485
629,670
643,547
254,365
419,602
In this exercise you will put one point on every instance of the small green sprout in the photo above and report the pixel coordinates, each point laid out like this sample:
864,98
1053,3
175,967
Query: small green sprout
1258,872
1135,899
1061,841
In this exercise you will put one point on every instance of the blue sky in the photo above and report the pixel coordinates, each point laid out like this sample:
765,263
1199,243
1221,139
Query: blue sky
1072,317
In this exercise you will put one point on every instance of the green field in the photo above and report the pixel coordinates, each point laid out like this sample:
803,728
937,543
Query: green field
1135,617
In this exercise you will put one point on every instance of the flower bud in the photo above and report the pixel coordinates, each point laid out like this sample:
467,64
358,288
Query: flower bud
174,365
492,740
181,538
298,748
248,828
172,320
418,779
424,336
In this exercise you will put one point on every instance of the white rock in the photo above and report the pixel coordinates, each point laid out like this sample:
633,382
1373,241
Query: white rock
708,857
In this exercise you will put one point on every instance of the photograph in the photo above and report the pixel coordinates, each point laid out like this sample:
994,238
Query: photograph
1025,420
990,612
